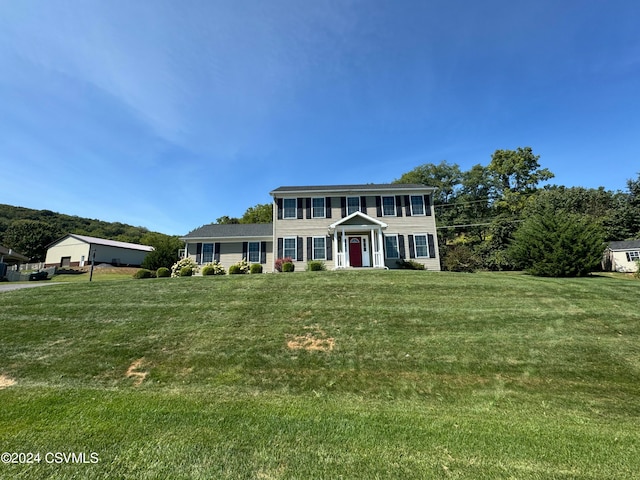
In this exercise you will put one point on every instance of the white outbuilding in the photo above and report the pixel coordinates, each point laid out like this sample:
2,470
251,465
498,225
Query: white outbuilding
79,250
622,256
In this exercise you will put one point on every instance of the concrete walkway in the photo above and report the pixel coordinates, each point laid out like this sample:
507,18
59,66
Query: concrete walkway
8,286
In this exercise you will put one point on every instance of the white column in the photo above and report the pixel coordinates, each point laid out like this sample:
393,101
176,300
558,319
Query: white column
345,250
380,248
336,255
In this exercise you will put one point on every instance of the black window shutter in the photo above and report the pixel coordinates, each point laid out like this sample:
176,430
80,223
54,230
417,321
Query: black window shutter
398,205
363,204
263,252
308,201
427,206
300,249
432,247
412,247
300,207
245,248
198,252
378,206
279,205
216,251
329,248
309,248
401,246
407,205
327,206
343,206
280,247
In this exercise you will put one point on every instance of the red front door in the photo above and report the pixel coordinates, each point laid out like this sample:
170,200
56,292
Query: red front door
355,252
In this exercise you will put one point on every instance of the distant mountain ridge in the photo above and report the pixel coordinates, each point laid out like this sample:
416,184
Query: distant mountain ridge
61,224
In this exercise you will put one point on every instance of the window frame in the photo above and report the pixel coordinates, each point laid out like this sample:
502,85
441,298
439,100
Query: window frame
387,237
249,252
206,260
393,198
633,255
349,212
294,257
294,209
424,207
314,248
313,207
426,245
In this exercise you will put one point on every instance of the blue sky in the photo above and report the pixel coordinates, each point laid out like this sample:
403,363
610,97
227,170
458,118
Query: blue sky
170,114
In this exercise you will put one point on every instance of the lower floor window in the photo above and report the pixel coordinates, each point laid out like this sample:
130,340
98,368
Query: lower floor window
319,248
290,247
254,252
391,246
422,247
207,252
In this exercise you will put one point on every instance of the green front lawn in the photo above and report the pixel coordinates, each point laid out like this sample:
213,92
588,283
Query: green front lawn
363,374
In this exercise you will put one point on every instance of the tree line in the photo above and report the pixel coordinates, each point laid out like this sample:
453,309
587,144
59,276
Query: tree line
499,217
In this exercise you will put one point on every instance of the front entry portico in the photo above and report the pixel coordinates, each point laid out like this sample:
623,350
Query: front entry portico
358,241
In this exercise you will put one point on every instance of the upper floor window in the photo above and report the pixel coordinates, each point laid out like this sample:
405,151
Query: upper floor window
353,205
417,205
290,207
318,208
389,206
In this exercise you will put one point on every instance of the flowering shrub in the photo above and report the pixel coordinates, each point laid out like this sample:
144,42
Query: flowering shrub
280,261
213,268
241,267
180,268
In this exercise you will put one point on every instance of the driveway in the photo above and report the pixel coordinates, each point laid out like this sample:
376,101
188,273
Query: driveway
8,286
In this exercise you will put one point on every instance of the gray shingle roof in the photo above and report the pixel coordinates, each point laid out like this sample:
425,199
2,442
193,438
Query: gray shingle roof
359,188
232,230
626,245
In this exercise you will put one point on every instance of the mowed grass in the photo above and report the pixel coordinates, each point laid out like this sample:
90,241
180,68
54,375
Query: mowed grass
363,374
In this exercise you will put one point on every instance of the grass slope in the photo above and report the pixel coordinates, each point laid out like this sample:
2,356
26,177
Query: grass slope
363,374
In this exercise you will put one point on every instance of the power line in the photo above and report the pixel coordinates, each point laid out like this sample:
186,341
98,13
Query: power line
475,224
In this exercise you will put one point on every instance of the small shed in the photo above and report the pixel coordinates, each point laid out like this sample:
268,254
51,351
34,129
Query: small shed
79,250
9,258
622,256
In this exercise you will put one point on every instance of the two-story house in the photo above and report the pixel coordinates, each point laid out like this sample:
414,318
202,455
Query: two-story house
345,226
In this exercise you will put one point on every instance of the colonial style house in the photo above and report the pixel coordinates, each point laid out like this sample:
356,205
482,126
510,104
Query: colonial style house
345,226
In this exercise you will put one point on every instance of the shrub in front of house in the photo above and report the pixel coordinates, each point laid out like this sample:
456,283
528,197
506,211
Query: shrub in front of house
239,268
143,273
288,267
315,266
280,261
410,265
256,268
184,268
163,272
213,268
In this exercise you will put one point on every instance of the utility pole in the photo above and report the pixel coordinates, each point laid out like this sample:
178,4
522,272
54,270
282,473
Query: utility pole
93,262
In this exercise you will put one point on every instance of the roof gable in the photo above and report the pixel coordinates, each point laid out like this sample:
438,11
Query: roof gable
358,218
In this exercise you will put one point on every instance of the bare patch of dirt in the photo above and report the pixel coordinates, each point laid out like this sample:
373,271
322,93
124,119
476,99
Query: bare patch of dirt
314,341
134,371
6,381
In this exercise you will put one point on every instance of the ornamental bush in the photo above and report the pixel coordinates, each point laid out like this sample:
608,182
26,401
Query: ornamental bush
213,268
163,272
315,266
256,268
558,244
288,267
240,268
280,261
143,273
410,265
184,268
